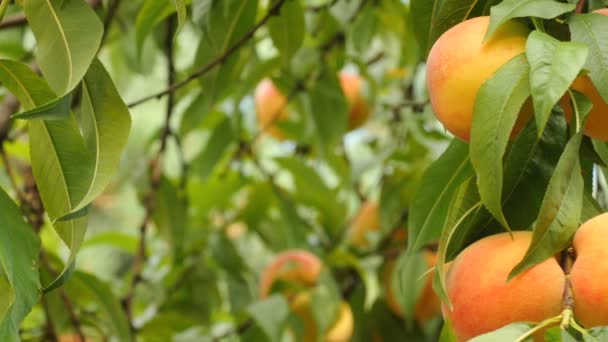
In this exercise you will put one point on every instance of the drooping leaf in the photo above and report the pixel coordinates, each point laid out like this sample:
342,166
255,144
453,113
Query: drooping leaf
592,30
463,204
60,161
222,26
19,280
328,109
182,14
200,9
106,123
434,17
108,305
65,49
220,140
287,30
553,67
497,107
152,13
3,7
560,213
270,314
509,9
170,215
430,205
58,109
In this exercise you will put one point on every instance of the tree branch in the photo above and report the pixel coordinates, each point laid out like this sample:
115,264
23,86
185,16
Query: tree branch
580,6
215,62
107,21
155,180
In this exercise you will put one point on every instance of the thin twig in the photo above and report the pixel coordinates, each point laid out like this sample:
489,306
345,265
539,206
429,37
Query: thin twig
155,178
107,21
49,334
568,299
580,6
320,8
274,10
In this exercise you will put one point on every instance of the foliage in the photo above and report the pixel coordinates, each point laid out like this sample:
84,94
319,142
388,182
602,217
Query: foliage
140,199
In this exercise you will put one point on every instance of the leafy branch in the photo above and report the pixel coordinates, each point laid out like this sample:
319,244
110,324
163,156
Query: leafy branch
274,10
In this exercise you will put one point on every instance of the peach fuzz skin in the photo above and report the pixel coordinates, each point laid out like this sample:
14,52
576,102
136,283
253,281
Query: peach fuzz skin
270,104
296,266
460,62
482,298
597,121
589,272
365,221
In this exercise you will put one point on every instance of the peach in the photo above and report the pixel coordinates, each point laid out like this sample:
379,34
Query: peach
590,271
597,121
366,221
460,62
482,298
428,305
271,104
295,266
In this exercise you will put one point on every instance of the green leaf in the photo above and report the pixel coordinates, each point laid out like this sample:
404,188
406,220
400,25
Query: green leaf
58,109
200,8
328,109
553,67
463,205
182,14
288,29
106,302
310,189
408,281
560,212
60,161
19,281
106,123
220,140
430,205
433,17
64,49
529,165
592,30
170,215
151,13
511,332
222,26
3,7
270,314
497,107
509,9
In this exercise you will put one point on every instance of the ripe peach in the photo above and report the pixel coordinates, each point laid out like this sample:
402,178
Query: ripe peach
597,121
482,298
460,62
72,338
590,271
428,305
295,266
271,104
365,222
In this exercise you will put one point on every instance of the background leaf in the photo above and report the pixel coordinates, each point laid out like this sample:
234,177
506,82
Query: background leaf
287,30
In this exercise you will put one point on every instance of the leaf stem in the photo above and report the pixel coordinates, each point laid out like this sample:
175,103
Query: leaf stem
542,325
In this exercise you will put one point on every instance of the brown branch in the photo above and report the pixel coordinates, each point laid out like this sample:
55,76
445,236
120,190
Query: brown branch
580,5
215,62
155,178
107,21
67,302
319,8
566,261
49,334
17,20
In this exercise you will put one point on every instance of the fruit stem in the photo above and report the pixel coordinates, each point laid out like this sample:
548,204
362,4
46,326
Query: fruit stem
567,256
579,6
